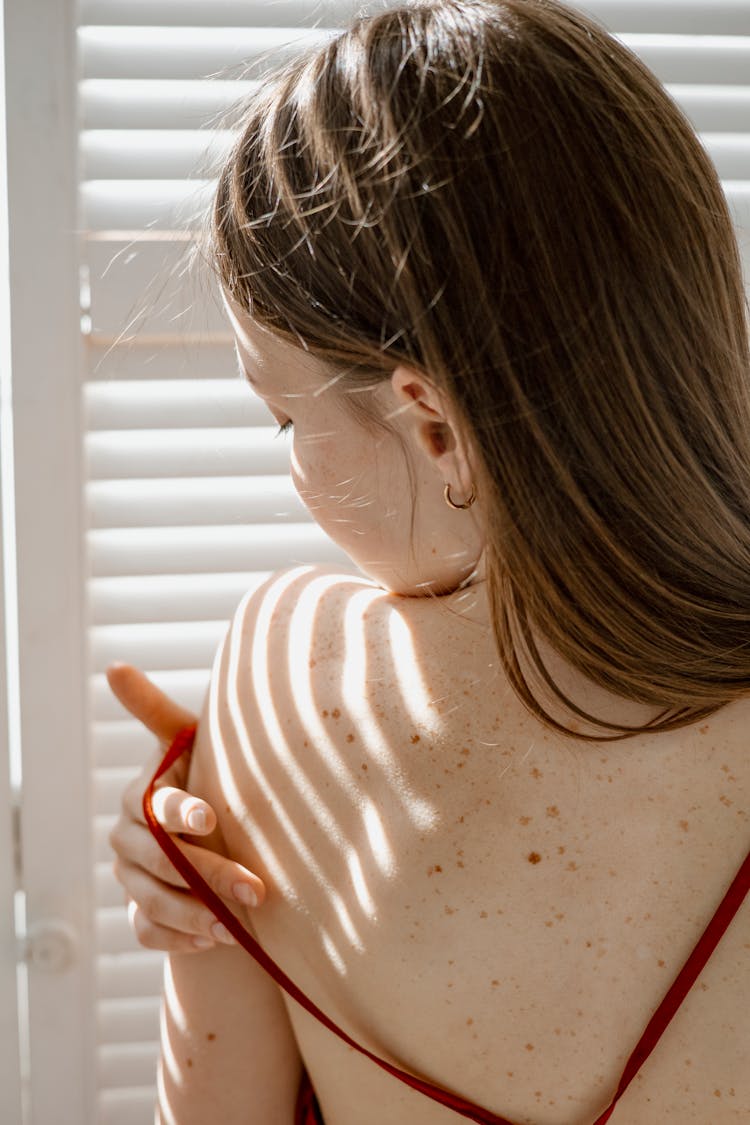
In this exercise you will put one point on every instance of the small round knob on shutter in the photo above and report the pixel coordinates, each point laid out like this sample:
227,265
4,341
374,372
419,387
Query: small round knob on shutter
51,947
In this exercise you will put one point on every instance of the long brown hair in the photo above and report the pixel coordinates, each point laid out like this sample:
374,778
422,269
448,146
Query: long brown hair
502,196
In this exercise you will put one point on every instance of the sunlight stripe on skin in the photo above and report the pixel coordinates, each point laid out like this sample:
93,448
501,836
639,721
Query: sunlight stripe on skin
301,629
228,783
262,689
410,682
353,691
168,1060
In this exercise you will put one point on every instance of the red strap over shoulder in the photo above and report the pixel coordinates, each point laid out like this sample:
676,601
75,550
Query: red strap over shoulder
655,1028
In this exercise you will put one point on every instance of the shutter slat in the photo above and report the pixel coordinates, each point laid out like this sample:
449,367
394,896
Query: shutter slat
218,13
188,52
121,744
188,688
128,1064
730,152
171,358
724,17
207,501
161,404
108,786
160,154
159,103
174,646
108,892
714,109
685,58
137,973
738,198
128,1020
137,454
184,550
130,1106
133,205
169,597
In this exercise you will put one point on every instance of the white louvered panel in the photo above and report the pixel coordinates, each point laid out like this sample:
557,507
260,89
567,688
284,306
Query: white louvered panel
101,828
738,197
139,454
187,687
218,13
129,205
162,404
113,933
714,59
185,645
730,152
693,17
171,597
129,1019
164,357
188,52
161,154
107,890
714,109
152,289
108,785
124,1065
137,973
183,550
130,1106
212,500
159,103
725,17
120,744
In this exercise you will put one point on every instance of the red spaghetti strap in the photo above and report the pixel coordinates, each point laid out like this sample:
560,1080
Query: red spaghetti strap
197,883
683,982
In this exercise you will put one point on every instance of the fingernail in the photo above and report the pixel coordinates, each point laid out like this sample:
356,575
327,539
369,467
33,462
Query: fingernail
221,933
203,943
197,820
243,892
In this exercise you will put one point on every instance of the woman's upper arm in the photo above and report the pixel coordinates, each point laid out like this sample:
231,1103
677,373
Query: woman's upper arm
228,1049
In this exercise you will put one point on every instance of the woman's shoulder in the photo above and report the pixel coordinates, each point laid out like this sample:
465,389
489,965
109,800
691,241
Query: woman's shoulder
309,619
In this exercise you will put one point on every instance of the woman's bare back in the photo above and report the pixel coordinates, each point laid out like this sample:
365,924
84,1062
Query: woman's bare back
470,896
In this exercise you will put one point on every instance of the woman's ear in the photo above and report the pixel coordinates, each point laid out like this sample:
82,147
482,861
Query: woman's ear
429,411
432,419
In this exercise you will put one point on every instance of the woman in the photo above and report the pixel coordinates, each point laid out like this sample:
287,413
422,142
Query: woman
493,788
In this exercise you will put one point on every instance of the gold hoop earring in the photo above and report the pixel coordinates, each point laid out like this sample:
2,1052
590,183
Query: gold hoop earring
459,507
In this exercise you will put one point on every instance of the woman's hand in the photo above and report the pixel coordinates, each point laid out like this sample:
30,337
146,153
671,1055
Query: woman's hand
163,911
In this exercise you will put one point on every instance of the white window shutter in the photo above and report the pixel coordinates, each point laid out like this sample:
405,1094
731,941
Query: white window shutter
10,1056
150,492
46,357
188,496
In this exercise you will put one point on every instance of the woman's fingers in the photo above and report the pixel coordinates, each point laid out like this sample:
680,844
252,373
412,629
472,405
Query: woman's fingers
176,810
153,936
148,703
136,851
